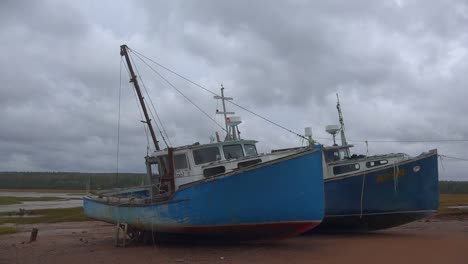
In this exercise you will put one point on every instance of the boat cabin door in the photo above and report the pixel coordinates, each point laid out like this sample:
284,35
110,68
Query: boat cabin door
181,168
160,171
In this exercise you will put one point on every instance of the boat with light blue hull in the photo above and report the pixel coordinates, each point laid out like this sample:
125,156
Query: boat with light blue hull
223,189
274,199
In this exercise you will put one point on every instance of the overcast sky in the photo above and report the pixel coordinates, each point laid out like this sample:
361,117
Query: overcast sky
400,68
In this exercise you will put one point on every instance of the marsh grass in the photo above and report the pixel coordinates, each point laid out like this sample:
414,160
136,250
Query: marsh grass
44,216
7,230
447,200
7,200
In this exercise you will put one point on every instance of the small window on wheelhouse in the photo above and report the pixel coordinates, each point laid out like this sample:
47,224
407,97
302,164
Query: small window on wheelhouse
374,163
250,150
154,170
180,162
332,155
345,168
233,151
206,155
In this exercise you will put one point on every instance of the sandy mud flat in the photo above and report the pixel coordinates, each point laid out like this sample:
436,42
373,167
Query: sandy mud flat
434,241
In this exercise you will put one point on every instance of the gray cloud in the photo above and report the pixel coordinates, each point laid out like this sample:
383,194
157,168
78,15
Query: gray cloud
399,67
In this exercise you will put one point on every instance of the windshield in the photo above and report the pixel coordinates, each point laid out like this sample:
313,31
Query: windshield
233,151
250,150
206,155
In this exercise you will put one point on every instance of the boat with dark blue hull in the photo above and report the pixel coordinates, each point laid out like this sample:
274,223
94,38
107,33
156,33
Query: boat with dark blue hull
402,191
376,192
223,189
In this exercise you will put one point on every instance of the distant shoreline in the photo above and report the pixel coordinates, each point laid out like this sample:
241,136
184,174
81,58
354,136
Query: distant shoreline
43,190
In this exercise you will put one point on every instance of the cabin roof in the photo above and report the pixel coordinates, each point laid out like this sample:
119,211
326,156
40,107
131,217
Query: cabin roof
200,146
338,147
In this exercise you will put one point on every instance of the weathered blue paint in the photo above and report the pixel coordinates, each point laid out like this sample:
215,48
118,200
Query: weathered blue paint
282,191
387,200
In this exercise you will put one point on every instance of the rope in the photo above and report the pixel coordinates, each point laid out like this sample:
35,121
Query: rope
396,172
141,115
363,182
180,92
412,141
118,127
441,162
152,105
455,158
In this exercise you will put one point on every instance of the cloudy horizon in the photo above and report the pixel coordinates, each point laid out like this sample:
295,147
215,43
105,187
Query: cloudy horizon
399,68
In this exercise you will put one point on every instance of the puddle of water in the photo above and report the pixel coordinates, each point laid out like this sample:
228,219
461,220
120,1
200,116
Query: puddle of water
460,207
42,194
70,200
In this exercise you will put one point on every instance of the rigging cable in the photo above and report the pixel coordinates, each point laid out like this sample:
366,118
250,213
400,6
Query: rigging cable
455,158
141,115
139,55
180,92
364,182
412,141
152,105
118,125
213,93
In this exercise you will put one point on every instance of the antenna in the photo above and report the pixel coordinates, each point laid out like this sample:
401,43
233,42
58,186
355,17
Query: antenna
231,122
340,117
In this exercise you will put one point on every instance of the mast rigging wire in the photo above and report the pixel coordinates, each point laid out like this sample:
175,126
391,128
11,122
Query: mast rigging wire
213,93
140,55
451,157
118,125
180,92
160,125
141,114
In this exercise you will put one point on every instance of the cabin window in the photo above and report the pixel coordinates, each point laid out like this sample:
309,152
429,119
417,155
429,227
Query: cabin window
154,170
332,155
244,164
180,162
374,163
233,151
213,171
343,154
345,168
206,155
250,150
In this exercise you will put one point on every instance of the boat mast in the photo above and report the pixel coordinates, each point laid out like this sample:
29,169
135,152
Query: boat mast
223,98
134,80
340,116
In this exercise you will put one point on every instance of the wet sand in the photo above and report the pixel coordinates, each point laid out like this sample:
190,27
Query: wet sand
435,241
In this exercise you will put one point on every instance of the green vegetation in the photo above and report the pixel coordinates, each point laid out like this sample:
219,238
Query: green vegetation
76,181
68,180
447,200
7,230
6,200
453,187
44,216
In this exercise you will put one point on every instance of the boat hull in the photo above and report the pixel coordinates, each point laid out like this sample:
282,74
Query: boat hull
273,200
383,198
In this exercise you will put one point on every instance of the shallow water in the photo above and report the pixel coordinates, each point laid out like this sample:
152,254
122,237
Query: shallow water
70,200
